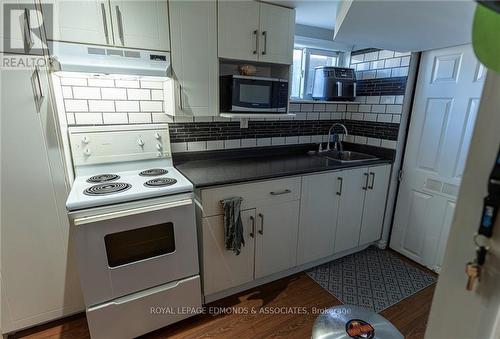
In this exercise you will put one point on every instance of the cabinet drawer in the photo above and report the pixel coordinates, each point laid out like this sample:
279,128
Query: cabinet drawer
253,194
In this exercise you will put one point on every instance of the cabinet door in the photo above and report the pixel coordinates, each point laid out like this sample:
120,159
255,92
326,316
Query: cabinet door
87,22
319,204
194,56
374,206
222,269
277,27
39,275
276,242
350,208
238,30
141,24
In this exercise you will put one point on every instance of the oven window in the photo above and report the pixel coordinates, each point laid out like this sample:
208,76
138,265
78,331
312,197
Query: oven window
255,94
139,244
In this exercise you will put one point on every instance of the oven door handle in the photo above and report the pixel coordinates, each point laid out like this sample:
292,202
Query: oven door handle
133,211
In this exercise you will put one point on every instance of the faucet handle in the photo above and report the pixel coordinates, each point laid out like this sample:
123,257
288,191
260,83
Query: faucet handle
320,148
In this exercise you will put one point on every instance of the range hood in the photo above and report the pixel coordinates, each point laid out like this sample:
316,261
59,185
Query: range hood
70,57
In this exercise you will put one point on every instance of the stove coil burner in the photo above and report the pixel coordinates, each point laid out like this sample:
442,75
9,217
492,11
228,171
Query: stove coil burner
107,188
96,179
160,182
153,172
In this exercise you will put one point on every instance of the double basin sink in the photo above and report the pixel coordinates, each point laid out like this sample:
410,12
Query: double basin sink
346,156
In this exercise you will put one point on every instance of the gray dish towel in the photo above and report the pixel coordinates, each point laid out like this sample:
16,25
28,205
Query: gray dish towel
233,228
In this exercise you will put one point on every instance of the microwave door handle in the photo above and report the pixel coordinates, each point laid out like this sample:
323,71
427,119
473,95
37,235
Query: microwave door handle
339,88
133,211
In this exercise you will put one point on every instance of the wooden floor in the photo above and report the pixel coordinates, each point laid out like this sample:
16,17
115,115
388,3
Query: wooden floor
409,316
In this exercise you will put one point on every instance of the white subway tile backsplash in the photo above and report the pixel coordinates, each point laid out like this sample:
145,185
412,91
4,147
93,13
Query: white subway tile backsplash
196,146
378,108
405,61
292,140
385,54
383,73
152,84
215,144
233,143
139,118
373,142
348,138
88,118
371,56
114,93
352,107
184,118
365,108
73,81
101,82
86,93
341,107
101,106
127,106
306,107
301,116
115,118
178,147
319,107
138,94
360,99
70,118
252,142
203,119
325,116
316,139
358,139
377,64
347,115
304,139
400,54
151,106
337,116
395,109
365,66
373,99
400,72
387,99
388,144
67,93
294,108
313,116
396,118
357,116
394,62
384,118
370,117
264,142
357,58
399,99
127,83
161,117
331,107
369,75
277,141
76,105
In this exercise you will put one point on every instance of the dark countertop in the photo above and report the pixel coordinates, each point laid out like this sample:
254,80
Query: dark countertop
229,167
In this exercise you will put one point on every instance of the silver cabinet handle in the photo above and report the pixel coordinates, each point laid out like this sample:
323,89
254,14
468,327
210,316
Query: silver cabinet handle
120,24
27,31
372,175
281,192
37,89
261,231
264,34
105,22
256,33
365,187
180,97
341,181
252,234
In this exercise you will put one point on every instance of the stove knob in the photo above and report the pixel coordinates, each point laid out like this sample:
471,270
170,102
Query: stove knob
87,152
140,142
85,140
158,147
159,154
157,136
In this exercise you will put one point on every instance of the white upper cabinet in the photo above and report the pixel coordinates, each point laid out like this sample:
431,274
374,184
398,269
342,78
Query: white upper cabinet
256,31
374,206
81,21
133,24
141,24
277,27
194,57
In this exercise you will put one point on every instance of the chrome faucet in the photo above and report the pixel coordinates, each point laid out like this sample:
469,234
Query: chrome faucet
338,144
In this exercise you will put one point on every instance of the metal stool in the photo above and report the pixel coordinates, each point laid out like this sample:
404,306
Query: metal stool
348,321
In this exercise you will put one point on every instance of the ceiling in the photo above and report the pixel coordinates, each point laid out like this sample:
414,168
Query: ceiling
317,13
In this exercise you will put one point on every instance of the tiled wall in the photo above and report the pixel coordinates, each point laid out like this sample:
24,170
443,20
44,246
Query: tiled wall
372,119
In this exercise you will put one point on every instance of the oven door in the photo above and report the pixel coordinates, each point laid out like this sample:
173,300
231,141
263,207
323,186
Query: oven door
131,249
252,95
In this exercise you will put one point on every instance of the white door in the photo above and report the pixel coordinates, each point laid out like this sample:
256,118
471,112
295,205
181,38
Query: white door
194,56
40,281
87,22
319,204
238,30
447,96
374,205
277,27
352,196
276,242
141,24
223,269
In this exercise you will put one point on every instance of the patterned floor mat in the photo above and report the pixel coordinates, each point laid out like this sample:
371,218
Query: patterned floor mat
372,278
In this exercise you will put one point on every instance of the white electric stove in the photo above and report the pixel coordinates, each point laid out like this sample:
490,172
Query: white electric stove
133,220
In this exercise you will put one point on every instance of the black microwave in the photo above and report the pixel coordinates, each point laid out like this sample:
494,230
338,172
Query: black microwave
249,94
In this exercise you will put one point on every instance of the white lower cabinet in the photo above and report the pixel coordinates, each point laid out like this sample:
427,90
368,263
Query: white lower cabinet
222,268
276,239
319,204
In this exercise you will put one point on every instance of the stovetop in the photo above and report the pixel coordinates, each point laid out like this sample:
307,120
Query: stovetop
110,187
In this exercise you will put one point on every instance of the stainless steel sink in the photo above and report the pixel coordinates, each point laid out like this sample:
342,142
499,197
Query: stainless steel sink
347,156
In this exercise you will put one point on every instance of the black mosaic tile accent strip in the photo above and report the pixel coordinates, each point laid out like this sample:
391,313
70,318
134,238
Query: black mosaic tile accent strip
188,132
365,50
385,86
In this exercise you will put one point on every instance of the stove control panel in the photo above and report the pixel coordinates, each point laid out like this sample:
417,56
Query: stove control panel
105,144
